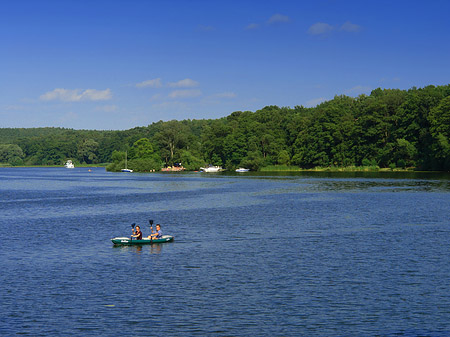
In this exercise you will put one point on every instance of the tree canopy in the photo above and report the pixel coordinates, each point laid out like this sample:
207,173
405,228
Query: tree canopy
388,128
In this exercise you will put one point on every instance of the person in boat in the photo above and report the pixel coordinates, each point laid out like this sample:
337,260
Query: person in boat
137,234
158,233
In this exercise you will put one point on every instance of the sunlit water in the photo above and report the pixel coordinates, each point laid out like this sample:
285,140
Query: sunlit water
254,255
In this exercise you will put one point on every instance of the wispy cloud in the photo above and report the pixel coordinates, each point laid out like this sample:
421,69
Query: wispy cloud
252,26
273,20
186,83
358,89
315,101
155,97
76,95
189,93
350,27
320,28
277,18
13,107
154,83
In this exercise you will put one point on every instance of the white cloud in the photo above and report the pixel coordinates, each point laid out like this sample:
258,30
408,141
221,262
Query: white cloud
320,28
155,83
350,27
315,101
185,93
276,18
186,83
76,95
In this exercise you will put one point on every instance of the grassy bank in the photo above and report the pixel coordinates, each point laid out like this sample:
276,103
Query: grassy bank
76,165
285,168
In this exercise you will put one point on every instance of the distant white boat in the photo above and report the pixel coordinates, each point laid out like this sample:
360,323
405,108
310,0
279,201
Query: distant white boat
126,169
69,164
240,169
211,168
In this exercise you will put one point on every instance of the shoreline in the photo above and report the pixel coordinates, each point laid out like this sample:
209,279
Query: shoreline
262,170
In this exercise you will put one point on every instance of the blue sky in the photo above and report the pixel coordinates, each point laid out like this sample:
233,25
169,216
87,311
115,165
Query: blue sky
114,65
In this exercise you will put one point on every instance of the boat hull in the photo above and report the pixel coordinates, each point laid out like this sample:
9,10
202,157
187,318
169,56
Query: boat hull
69,165
124,241
211,169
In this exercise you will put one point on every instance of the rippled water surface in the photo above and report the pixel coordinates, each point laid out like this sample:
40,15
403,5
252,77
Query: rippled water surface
254,255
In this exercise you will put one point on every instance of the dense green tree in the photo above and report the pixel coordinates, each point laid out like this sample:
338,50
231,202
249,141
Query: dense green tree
189,161
171,138
118,156
440,130
213,142
283,158
388,128
87,151
142,148
11,154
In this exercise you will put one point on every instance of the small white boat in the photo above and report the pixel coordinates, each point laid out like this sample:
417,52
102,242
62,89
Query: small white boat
69,164
211,168
240,169
126,169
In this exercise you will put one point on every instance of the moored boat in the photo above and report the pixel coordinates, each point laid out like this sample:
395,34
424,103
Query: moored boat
242,169
126,241
211,169
69,164
126,169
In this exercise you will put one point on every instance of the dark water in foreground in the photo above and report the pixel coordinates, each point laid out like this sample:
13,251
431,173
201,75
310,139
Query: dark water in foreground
254,255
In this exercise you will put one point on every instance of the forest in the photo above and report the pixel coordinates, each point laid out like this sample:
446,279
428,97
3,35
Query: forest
390,128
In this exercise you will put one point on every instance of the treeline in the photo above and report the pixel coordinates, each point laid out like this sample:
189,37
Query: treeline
388,128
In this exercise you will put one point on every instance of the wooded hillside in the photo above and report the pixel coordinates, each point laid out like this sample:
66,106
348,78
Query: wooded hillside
388,128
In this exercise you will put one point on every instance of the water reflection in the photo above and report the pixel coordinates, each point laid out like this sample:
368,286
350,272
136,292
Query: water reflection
155,248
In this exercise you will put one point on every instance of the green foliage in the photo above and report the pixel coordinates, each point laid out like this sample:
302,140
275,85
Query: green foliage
389,128
145,164
118,156
171,137
189,161
283,158
88,151
142,148
11,154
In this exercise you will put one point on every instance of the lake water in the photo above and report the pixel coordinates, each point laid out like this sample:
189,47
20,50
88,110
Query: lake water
322,254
